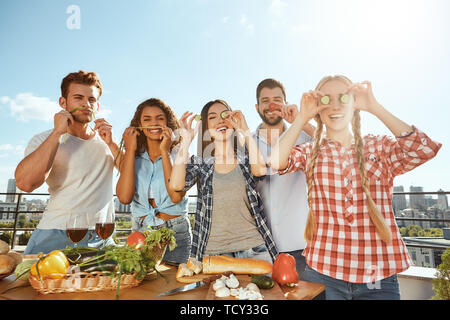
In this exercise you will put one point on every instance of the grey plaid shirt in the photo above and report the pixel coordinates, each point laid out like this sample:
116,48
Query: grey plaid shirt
201,170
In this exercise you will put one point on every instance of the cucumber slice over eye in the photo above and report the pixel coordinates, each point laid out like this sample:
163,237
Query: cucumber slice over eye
325,100
224,114
345,98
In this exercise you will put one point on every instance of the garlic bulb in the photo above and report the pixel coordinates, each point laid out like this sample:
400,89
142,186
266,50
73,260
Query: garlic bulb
219,283
232,282
223,292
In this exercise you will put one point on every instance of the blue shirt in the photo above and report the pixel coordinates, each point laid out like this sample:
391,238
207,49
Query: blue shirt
286,213
148,173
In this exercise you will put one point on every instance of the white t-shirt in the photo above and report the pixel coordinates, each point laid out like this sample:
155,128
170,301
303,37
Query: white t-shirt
285,200
80,181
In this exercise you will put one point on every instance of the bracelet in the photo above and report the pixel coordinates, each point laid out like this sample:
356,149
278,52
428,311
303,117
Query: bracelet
407,134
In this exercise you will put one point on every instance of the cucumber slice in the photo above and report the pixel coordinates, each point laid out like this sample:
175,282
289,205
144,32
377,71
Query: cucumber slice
344,98
325,100
198,117
224,114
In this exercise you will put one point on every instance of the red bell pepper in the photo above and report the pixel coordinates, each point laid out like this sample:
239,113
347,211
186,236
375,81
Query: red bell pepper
284,270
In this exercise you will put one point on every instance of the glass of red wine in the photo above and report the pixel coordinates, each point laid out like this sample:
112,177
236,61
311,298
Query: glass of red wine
104,226
76,227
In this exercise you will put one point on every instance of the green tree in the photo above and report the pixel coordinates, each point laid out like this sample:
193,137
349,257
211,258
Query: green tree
441,285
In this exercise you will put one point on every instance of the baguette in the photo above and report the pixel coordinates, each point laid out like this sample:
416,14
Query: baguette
183,270
194,265
193,278
221,264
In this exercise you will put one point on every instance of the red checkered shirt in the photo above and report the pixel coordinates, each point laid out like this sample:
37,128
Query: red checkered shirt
346,245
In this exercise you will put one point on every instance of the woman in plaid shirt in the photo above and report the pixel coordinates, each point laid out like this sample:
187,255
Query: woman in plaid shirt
229,219
353,243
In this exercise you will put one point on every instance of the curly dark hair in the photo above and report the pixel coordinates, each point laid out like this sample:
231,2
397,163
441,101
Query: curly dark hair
172,122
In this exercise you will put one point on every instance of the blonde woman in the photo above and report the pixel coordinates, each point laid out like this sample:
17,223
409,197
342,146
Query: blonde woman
353,243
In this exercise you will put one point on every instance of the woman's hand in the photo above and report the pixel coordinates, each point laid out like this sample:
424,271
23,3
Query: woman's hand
130,138
237,120
309,105
166,141
363,96
188,133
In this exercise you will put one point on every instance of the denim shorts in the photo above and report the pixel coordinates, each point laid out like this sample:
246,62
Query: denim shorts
183,237
47,240
385,289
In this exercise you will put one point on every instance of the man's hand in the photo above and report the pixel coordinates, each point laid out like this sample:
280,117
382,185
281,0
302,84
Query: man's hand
289,112
104,130
61,121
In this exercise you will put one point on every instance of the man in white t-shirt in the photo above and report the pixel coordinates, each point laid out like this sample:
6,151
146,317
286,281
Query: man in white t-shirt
284,197
77,163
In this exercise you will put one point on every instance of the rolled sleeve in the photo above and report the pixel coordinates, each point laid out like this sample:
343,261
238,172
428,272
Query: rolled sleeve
192,172
297,159
408,152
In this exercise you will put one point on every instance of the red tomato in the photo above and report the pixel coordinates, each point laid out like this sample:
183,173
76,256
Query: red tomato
274,107
136,240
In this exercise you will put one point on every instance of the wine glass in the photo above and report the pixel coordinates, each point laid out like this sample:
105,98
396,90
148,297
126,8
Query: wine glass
104,226
76,227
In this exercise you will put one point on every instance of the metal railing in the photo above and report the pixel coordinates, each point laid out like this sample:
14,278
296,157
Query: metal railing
19,195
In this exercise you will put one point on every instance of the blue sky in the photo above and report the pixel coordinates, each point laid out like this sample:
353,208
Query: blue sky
190,52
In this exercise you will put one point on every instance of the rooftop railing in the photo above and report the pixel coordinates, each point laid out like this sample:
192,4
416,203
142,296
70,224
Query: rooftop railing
19,196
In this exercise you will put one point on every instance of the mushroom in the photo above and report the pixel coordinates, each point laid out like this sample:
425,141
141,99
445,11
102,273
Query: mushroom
232,282
223,292
219,283
252,287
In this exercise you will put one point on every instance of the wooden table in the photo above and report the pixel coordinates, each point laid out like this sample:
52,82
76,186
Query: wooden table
147,290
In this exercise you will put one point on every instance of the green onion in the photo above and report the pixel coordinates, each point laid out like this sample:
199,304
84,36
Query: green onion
66,135
150,127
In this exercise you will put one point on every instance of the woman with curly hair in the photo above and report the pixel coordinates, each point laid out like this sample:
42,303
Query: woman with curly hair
145,169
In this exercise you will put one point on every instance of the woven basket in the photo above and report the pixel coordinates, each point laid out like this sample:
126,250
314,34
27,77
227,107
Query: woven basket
82,282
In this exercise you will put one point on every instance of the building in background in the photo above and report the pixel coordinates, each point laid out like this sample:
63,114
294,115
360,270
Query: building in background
442,202
11,188
417,201
427,252
399,201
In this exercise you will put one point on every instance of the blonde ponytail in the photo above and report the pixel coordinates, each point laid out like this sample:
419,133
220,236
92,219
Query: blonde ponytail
375,214
310,228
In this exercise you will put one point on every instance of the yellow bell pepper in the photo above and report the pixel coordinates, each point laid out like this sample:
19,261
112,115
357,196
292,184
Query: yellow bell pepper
53,265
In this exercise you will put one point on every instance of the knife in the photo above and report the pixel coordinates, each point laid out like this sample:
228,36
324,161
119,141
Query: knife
192,286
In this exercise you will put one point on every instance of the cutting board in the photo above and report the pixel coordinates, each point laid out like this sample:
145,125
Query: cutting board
274,293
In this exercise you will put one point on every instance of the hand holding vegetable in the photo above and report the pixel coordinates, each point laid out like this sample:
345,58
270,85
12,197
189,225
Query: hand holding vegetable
186,131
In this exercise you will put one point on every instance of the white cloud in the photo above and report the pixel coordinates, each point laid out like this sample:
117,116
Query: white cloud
243,19
25,107
277,7
8,149
225,19
250,28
